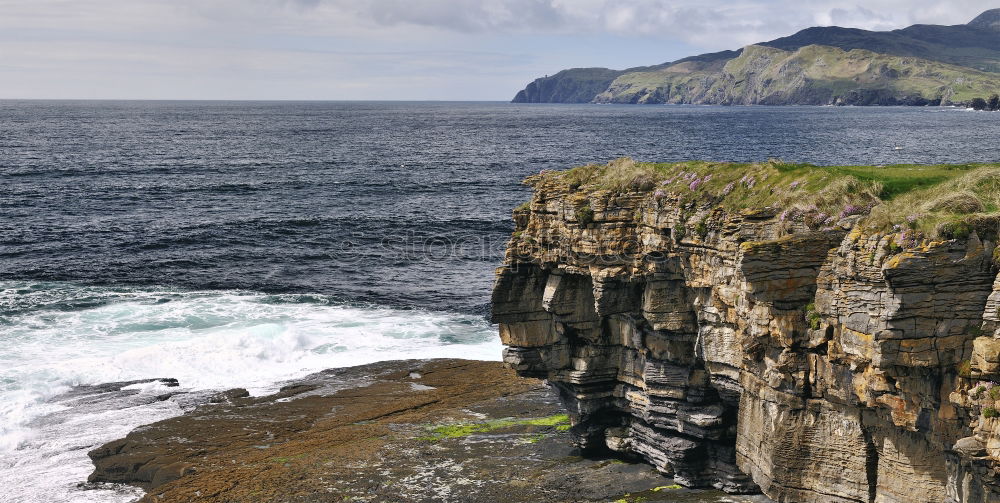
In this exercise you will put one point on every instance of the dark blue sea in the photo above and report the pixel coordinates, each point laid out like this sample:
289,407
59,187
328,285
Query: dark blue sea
398,204
242,243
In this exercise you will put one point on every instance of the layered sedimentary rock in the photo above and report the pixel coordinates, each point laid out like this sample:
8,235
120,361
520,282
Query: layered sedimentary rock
740,350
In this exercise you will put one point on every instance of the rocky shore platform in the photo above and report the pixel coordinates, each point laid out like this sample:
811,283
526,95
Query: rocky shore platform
400,431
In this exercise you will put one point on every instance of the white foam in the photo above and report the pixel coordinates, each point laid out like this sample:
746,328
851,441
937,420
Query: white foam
206,340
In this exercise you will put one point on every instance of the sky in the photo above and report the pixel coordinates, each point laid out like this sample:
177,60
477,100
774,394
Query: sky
387,49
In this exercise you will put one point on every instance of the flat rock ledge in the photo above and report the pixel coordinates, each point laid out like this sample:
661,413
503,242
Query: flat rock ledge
402,431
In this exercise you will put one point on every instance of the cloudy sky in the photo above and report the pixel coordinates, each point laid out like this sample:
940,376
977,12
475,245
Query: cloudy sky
387,49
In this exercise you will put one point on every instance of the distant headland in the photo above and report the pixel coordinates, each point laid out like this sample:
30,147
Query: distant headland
918,65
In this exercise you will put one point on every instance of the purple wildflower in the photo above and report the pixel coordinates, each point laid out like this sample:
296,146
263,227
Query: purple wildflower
795,185
728,188
851,210
909,238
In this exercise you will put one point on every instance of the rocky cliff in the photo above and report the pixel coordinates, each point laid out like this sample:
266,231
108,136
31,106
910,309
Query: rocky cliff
818,334
576,85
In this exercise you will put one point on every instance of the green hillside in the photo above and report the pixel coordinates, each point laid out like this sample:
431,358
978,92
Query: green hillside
917,65
812,75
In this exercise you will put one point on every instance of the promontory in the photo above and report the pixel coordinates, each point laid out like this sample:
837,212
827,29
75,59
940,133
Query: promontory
918,65
818,334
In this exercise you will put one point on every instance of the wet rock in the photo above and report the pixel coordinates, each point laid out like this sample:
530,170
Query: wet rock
471,432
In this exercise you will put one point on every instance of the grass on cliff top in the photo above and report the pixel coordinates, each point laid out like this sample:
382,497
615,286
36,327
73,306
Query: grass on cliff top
932,199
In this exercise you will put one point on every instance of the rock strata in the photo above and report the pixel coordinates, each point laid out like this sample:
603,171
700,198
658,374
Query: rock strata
738,350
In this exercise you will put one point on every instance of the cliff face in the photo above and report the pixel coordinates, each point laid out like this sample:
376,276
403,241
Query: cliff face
746,348
576,85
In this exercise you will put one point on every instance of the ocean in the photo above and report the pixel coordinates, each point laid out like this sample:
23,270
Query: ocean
241,244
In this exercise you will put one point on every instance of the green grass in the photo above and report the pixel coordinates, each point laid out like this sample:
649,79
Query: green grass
964,369
934,201
900,179
458,430
952,208
585,214
813,317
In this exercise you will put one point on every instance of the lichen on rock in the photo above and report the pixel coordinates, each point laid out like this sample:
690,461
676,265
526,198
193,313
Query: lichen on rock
817,333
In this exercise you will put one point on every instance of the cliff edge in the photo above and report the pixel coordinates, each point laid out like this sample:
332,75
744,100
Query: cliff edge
820,334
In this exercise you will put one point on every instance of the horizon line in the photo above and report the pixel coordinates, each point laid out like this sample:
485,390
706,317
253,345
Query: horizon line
262,99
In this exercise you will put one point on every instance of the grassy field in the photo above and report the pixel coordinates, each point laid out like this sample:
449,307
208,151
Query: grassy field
934,201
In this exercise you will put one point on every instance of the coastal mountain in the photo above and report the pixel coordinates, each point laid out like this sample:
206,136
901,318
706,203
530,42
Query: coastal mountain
918,65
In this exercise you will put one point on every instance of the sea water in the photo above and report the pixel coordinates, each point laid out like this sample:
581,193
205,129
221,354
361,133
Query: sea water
59,335
241,244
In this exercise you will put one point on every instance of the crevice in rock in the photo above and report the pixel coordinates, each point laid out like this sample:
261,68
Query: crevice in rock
871,465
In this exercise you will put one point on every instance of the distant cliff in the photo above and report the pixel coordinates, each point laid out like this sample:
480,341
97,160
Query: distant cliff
578,85
820,334
918,65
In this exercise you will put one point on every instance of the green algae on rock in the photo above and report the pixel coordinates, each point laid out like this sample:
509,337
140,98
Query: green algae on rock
559,422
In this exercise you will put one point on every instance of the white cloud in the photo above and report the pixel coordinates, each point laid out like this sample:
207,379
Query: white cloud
478,49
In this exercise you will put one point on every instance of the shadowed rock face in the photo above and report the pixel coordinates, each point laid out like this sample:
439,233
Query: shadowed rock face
748,353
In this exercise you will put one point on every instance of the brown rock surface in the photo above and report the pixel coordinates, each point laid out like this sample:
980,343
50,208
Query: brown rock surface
407,431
